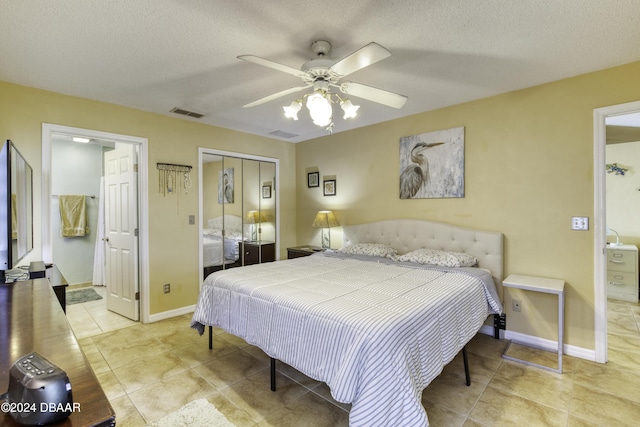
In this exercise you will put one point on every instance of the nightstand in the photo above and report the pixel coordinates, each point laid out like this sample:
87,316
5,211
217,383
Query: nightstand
300,251
544,285
622,272
257,252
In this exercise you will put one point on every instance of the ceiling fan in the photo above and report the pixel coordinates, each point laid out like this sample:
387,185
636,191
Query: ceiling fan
322,74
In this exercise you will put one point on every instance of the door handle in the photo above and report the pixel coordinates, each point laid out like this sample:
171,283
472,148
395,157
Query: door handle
105,239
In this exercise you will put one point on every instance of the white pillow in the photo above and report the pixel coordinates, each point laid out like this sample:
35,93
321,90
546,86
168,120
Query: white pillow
215,232
371,249
441,258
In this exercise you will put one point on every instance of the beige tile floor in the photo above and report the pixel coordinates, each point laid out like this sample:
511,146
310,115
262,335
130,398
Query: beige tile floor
149,370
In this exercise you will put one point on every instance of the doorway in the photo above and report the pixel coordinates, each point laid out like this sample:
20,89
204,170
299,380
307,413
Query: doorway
600,221
94,145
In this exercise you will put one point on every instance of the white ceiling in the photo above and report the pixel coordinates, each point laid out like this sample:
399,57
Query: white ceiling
154,55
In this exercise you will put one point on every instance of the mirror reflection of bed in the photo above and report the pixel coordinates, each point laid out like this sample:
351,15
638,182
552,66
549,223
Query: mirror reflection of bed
221,243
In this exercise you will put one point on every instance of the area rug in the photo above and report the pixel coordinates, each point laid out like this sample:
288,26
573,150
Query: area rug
198,413
82,295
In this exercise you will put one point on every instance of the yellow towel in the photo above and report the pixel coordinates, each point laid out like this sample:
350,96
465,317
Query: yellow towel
73,216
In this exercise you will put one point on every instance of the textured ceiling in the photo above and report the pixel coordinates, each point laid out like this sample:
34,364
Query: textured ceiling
155,55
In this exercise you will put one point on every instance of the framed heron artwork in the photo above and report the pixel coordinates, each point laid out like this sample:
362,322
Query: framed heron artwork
225,186
432,165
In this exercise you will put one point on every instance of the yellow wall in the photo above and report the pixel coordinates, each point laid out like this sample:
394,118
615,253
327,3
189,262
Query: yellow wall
173,243
528,170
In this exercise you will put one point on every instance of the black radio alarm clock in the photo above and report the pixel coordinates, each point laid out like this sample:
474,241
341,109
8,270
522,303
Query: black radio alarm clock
39,392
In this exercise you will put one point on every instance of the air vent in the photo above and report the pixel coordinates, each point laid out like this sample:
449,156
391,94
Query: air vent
283,134
186,113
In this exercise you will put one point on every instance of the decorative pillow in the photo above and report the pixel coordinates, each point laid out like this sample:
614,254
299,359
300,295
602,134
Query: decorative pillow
211,232
371,249
215,232
441,258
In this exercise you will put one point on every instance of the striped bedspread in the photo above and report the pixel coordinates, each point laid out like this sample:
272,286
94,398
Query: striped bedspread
377,333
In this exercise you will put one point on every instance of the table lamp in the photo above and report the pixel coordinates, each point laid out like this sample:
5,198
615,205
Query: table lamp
611,232
325,220
253,218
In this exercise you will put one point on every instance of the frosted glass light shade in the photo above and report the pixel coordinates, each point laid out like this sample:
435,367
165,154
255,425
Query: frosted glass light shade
350,110
319,109
291,111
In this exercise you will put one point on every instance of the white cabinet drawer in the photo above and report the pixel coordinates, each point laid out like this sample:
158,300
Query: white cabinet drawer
622,272
622,297
621,260
622,282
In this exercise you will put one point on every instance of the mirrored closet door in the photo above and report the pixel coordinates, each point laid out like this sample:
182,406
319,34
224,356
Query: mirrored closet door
238,206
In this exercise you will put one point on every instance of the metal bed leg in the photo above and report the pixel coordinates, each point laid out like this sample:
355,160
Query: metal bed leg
273,374
210,338
466,365
499,322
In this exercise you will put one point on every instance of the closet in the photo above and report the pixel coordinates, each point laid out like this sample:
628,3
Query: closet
238,205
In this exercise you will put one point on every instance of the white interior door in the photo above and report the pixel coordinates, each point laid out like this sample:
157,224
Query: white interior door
121,224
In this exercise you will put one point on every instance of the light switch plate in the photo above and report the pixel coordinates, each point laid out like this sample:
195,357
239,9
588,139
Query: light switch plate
580,223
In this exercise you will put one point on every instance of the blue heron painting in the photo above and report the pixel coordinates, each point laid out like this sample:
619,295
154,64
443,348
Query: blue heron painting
432,165
225,186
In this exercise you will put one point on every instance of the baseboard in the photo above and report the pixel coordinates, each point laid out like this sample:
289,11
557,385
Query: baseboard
544,344
529,340
171,313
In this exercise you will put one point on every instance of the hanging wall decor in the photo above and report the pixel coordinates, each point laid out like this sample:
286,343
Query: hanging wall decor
225,186
313,179
432,165
617,169
172,177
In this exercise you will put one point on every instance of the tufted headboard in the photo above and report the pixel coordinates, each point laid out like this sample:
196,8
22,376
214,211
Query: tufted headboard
231,223
406,235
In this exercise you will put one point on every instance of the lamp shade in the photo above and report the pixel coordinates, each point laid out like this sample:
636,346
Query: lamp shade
255,217
291,111
350,110
325,219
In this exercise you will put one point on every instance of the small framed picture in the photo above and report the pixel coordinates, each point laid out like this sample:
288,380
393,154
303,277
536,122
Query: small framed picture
313,179
329,187
266,191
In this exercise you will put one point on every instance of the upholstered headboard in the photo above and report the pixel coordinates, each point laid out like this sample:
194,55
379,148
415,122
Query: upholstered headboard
406,235
231,223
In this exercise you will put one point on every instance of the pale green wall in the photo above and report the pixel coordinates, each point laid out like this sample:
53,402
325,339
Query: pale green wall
528,170
173,243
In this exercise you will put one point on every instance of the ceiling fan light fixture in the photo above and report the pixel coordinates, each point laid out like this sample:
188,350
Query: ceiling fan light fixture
350,110
291,111
319,106
323,74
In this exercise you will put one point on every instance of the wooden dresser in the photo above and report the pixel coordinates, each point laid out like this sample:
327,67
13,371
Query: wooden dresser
300,251
32,319
257,252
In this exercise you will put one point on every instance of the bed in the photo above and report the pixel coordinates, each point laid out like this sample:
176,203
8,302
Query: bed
219,250
376,329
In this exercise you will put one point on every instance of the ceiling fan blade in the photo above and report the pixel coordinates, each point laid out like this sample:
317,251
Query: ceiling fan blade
380,96
274,65
361,58
275,96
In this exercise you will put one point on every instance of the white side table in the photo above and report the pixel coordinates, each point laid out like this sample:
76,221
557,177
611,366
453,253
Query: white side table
544,285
